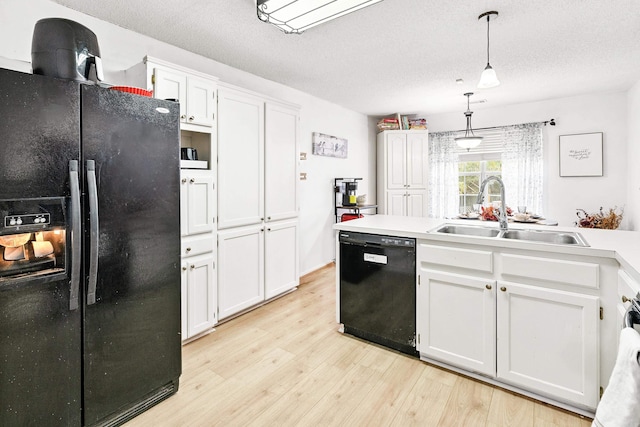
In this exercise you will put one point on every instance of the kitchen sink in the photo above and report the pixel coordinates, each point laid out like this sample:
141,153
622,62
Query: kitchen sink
468,230
541,236
554,237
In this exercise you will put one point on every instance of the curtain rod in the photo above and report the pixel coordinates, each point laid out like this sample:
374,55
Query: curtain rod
551,122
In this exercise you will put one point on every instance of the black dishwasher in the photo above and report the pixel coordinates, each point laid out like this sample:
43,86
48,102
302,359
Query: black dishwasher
378,289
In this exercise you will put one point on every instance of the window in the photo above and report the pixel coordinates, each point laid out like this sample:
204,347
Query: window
470,175
513,153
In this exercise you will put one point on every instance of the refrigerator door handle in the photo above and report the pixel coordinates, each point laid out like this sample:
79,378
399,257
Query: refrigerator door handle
74,186
93,232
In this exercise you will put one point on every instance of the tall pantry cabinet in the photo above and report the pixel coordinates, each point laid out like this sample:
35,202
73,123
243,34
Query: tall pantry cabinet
257,199
402,172
196,93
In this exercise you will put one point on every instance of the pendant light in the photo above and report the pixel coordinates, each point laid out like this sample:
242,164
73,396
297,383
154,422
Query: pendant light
488,79
469,140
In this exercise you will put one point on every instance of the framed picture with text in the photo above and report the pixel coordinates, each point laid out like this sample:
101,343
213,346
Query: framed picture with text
581,154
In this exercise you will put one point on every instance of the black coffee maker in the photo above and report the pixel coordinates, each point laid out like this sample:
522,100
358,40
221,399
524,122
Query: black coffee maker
65,49
349,197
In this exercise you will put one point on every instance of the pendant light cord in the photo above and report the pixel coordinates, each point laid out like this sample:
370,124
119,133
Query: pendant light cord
488,21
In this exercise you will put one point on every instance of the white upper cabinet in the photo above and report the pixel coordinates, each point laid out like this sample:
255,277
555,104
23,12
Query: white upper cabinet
197,202
240,159
402,172
196,96
281,166
195,91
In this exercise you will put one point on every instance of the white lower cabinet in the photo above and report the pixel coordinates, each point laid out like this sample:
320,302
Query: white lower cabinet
281,257
241,269
541,336
547,340
407,202
456,320
199,295
256,263
197,214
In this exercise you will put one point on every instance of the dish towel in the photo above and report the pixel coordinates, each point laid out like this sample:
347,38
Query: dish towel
620,403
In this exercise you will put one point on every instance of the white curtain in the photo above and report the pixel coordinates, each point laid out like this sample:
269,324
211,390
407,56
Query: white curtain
443,195
522,166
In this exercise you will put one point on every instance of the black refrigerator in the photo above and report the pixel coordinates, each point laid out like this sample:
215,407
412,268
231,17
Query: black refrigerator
89,252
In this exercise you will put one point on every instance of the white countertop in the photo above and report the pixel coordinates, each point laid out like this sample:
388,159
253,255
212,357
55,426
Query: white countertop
624,246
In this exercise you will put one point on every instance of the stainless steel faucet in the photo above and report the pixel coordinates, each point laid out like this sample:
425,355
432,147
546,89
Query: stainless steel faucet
503,207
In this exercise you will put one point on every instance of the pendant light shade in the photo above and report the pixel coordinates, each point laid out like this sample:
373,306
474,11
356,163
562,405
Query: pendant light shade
469,140
296,16
488,79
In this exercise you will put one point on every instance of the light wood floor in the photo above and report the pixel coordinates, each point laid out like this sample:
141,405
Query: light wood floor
285,364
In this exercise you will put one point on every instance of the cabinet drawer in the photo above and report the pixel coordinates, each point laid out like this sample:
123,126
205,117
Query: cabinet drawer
627,287
455,257
567,272
196,245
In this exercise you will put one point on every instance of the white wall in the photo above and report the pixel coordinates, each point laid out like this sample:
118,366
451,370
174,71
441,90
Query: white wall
122,49
633,157
599,112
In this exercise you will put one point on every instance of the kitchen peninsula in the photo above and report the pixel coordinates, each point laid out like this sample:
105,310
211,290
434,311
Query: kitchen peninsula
541,319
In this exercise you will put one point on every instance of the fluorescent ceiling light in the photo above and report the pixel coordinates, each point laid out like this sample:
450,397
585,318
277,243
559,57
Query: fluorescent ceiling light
296,16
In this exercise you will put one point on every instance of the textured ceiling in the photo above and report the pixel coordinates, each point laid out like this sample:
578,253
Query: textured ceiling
405,55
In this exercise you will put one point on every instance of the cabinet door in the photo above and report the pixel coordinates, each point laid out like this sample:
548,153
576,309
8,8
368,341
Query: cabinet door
281,257
417,161
457,320
548,342
200,101
240,269
281,162
240,159
396,203
396,148
416,203
171,85
201,294
200,203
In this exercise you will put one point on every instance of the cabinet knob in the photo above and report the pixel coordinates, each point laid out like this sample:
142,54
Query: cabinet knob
192,266
268,229
184,268
188,249
503,289
192,180
268,218
191,118
625,299
184,180
488,286
183,116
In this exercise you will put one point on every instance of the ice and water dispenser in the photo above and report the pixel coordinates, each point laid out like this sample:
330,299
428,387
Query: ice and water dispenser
32,237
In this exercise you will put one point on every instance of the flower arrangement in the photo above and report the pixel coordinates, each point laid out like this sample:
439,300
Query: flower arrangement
609,220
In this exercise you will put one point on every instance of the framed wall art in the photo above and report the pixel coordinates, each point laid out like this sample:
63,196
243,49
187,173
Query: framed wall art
327,145
581,154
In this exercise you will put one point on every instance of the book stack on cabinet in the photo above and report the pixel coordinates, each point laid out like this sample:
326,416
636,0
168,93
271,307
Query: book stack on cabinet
401,122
